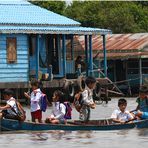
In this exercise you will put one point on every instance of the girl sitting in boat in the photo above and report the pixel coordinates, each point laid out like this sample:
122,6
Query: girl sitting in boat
35,97
58,110
10,110
142,108
121,115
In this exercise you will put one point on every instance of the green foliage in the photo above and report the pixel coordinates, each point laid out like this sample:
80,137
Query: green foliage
55,6
119,16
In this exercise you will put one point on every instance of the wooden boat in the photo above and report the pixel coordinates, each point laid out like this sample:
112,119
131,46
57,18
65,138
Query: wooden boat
103,124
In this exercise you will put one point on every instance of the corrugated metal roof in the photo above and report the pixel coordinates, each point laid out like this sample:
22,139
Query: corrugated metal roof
23,17
117,45
26,13
122,42
52,30
125,55
14,2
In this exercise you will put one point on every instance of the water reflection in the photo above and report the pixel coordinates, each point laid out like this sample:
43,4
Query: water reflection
58,135
39,137
55,134
84,134
122,132
143,132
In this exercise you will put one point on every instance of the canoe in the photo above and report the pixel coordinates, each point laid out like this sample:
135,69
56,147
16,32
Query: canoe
103,124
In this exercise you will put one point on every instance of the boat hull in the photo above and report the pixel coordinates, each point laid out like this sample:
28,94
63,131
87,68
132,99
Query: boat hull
13,125
142,124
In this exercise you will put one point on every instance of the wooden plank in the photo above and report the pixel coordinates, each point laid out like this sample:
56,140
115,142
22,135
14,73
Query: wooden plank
2,66
20,61
19,36
11,75
8,80
14,85
7,71
19,52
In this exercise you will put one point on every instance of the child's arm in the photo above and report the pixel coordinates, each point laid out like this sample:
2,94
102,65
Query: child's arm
26,95
118,121
5,107
92,105
137,108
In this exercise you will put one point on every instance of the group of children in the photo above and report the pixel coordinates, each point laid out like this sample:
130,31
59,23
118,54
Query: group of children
121,115
59,109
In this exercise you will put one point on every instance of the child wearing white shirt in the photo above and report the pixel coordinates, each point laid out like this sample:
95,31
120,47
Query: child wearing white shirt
121,115
58,110
36,113
10,110
87,99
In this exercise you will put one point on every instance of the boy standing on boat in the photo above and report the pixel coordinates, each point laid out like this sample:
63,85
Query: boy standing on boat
121,115
58,109
35,97
87,99
142,108
10,110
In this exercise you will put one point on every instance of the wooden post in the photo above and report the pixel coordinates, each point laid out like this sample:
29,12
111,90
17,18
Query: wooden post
140,70
99,65
105,59
64,54
59,54
86,55
115,76
50,73
37,56
90,56
72,48
72,54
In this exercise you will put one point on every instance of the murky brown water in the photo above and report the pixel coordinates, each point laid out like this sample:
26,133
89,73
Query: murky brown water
137,138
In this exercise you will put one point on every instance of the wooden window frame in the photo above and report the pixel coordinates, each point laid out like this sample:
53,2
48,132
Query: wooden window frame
11,44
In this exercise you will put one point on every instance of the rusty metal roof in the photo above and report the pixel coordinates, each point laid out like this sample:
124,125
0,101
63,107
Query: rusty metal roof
117,45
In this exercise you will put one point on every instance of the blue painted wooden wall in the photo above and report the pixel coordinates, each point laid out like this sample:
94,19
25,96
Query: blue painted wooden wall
16,72
32,59
20,71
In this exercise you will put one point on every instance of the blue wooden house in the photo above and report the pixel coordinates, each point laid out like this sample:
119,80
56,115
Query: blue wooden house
33,43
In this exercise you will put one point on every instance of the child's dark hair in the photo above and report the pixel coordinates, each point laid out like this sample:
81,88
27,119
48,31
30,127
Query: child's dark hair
8,92
35,83
122,101
60,94
143,89
90,80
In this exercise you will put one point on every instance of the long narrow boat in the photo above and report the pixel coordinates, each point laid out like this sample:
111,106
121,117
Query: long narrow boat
103,124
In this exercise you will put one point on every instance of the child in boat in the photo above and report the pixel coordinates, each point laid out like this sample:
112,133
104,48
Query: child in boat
87,99
121,115
58,110
36,113
142,108
10,110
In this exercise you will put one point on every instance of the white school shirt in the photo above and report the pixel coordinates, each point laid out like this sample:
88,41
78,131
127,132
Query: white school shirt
12,103
35,100
117,114
87,96
58,110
